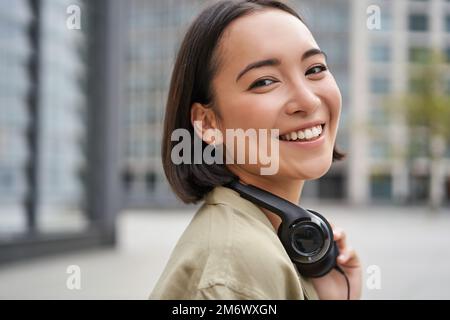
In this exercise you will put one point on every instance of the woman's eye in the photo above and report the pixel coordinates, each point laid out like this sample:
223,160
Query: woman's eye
316,69
262,83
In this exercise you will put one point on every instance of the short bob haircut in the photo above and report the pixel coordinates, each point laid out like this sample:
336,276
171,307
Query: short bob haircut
196,64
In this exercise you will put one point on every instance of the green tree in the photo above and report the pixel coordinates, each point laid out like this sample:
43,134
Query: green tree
426,109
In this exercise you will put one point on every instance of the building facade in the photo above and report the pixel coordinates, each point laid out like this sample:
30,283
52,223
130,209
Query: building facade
58,125
14,87
381,60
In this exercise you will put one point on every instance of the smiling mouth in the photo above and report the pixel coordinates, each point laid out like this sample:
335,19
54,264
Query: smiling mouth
308,134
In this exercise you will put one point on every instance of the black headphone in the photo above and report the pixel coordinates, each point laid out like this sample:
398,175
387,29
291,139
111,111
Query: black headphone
305,234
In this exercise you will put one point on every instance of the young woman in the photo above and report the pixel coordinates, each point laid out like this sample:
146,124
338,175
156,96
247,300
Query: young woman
249,65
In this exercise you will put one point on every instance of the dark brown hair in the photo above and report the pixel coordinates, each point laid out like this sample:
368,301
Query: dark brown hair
195,67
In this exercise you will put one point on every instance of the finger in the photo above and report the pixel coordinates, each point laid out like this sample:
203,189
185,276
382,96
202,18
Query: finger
341,239
338,233
348,258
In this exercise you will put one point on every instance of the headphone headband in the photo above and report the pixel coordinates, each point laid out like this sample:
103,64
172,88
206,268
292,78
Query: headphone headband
287,211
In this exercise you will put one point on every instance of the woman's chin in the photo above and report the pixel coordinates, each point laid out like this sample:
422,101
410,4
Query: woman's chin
312,171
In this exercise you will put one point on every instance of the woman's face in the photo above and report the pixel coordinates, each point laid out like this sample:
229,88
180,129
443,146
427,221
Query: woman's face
296,94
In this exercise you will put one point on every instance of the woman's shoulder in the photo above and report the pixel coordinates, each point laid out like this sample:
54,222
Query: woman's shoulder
230,251
244,256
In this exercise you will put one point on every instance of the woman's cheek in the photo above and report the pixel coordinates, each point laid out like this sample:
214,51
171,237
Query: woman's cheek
332,100
255,113
335,99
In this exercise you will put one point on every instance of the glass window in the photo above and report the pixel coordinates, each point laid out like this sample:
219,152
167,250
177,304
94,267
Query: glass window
419,188
380,186
150,180
379,85
418,22
380,53
378,116
331,187
379,147
447,23
386,20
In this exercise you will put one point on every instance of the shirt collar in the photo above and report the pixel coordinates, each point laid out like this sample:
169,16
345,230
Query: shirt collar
227,196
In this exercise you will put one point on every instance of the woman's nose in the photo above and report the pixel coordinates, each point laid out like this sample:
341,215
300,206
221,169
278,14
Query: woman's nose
303,100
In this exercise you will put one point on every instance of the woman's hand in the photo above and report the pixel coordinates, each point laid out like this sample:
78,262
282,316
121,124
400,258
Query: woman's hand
333,286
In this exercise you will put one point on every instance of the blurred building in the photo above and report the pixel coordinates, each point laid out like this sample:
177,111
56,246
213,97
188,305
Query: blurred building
14,88
58,114
62,100
369,64
380,63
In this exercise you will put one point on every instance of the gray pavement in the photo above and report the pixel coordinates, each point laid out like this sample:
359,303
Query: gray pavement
410,246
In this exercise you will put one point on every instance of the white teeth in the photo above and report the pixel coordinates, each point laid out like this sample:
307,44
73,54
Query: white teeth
303,134
308,134
293,135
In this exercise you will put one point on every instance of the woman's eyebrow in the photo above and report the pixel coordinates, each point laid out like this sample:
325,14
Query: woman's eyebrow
275,62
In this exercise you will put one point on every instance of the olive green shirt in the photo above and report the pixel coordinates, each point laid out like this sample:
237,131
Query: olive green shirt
230,250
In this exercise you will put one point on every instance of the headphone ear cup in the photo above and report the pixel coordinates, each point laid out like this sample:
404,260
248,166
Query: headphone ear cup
321,267
313,270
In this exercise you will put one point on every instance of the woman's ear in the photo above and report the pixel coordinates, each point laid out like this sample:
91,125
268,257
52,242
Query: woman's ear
204,121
